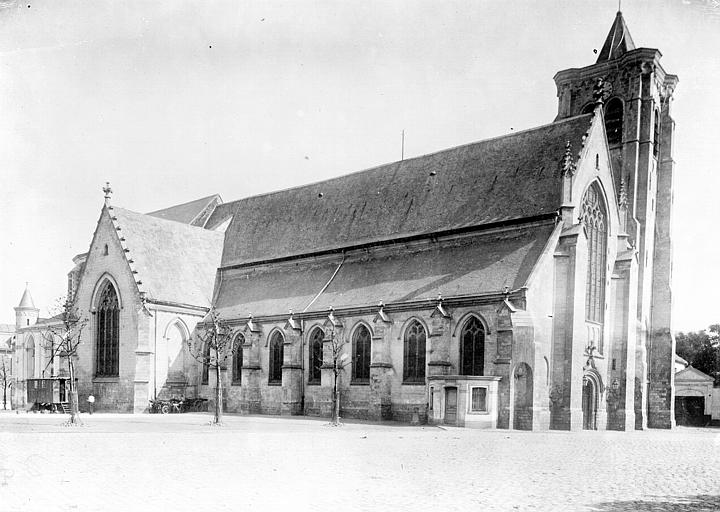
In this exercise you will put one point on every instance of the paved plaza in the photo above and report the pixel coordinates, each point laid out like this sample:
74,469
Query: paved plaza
179,462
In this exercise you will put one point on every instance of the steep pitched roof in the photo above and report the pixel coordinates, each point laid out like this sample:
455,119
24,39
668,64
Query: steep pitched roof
26,301
174,262
618,41
483,263
186,212
509,177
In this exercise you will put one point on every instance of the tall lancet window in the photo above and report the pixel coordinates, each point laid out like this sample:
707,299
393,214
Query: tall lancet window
107,331
594,217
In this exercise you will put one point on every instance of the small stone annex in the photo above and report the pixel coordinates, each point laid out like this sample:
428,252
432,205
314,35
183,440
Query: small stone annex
518,282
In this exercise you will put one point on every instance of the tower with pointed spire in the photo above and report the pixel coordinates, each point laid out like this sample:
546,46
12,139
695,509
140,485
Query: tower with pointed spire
26,313
636,97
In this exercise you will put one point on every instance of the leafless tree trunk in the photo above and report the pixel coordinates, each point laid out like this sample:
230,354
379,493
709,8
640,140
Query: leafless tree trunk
218,391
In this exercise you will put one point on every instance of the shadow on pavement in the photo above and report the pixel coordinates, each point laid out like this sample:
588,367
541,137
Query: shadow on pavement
698,503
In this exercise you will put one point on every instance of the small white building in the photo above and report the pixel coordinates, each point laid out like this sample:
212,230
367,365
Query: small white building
695,402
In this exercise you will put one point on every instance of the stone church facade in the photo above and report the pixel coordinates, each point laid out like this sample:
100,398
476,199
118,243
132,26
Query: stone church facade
518,282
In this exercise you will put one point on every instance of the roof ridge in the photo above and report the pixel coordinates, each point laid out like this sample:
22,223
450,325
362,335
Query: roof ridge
425,155
174,223
211,196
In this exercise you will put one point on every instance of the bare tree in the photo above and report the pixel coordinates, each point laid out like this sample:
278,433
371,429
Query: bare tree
5,376
338,362
212,344
62,339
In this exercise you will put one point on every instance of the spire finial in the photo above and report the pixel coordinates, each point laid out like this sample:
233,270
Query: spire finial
107,191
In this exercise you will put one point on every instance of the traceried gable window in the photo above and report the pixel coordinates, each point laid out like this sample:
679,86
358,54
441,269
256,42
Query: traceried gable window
472,347
594,217
238,359
275,359
107,333
614,121
316,355
414,353
361,355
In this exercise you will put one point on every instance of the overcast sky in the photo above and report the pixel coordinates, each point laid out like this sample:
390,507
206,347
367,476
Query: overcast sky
171,101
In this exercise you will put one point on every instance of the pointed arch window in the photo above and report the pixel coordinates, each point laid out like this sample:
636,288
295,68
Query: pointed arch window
361,355
206,365
316,355
594,217
275,359
614,121
238,358
30,358
107,333
472,347
414,353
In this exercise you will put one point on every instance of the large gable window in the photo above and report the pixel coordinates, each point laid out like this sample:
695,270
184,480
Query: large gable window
107,333
472,347
275,359
414,353
238,359
594,217
316,355
361,355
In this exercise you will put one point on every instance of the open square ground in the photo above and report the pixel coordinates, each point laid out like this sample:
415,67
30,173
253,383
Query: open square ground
180,462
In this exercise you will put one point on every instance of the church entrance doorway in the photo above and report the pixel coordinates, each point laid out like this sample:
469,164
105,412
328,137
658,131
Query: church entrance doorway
450,406
589,404
523,397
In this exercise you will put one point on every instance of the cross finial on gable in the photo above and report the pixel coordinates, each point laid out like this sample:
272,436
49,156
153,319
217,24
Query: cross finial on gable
107,191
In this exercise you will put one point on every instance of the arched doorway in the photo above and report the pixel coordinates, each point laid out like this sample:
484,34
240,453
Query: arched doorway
170,362
589,402
523,397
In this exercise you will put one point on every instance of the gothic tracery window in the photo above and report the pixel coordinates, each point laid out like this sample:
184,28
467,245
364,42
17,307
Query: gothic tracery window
275,359
316,355
656,134
414,353
361,355
472,347
594,217
107,333
238,358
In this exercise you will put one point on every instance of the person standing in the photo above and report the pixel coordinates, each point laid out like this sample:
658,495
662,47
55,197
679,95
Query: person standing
91,403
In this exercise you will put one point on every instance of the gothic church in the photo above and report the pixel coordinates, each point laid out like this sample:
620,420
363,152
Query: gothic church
518,282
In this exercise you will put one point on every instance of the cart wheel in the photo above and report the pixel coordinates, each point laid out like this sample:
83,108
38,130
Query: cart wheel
165,409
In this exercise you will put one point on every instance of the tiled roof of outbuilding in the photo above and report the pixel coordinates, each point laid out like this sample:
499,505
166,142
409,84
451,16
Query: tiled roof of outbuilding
510,177
174,262
186,212
483,263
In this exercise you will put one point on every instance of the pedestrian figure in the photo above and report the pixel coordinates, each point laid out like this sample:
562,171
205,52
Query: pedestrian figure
91,402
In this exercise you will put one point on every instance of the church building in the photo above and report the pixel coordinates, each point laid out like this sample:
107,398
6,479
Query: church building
517,282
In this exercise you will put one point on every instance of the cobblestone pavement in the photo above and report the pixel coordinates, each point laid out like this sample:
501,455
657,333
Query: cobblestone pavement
179,462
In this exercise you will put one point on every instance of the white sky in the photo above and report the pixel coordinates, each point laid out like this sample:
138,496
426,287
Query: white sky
172,101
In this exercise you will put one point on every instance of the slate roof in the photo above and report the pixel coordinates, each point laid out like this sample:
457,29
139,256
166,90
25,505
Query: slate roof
186,212
483,263
618,41
510,177
175,262
26,301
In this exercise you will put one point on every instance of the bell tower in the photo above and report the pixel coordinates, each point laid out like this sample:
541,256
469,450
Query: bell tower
637,95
